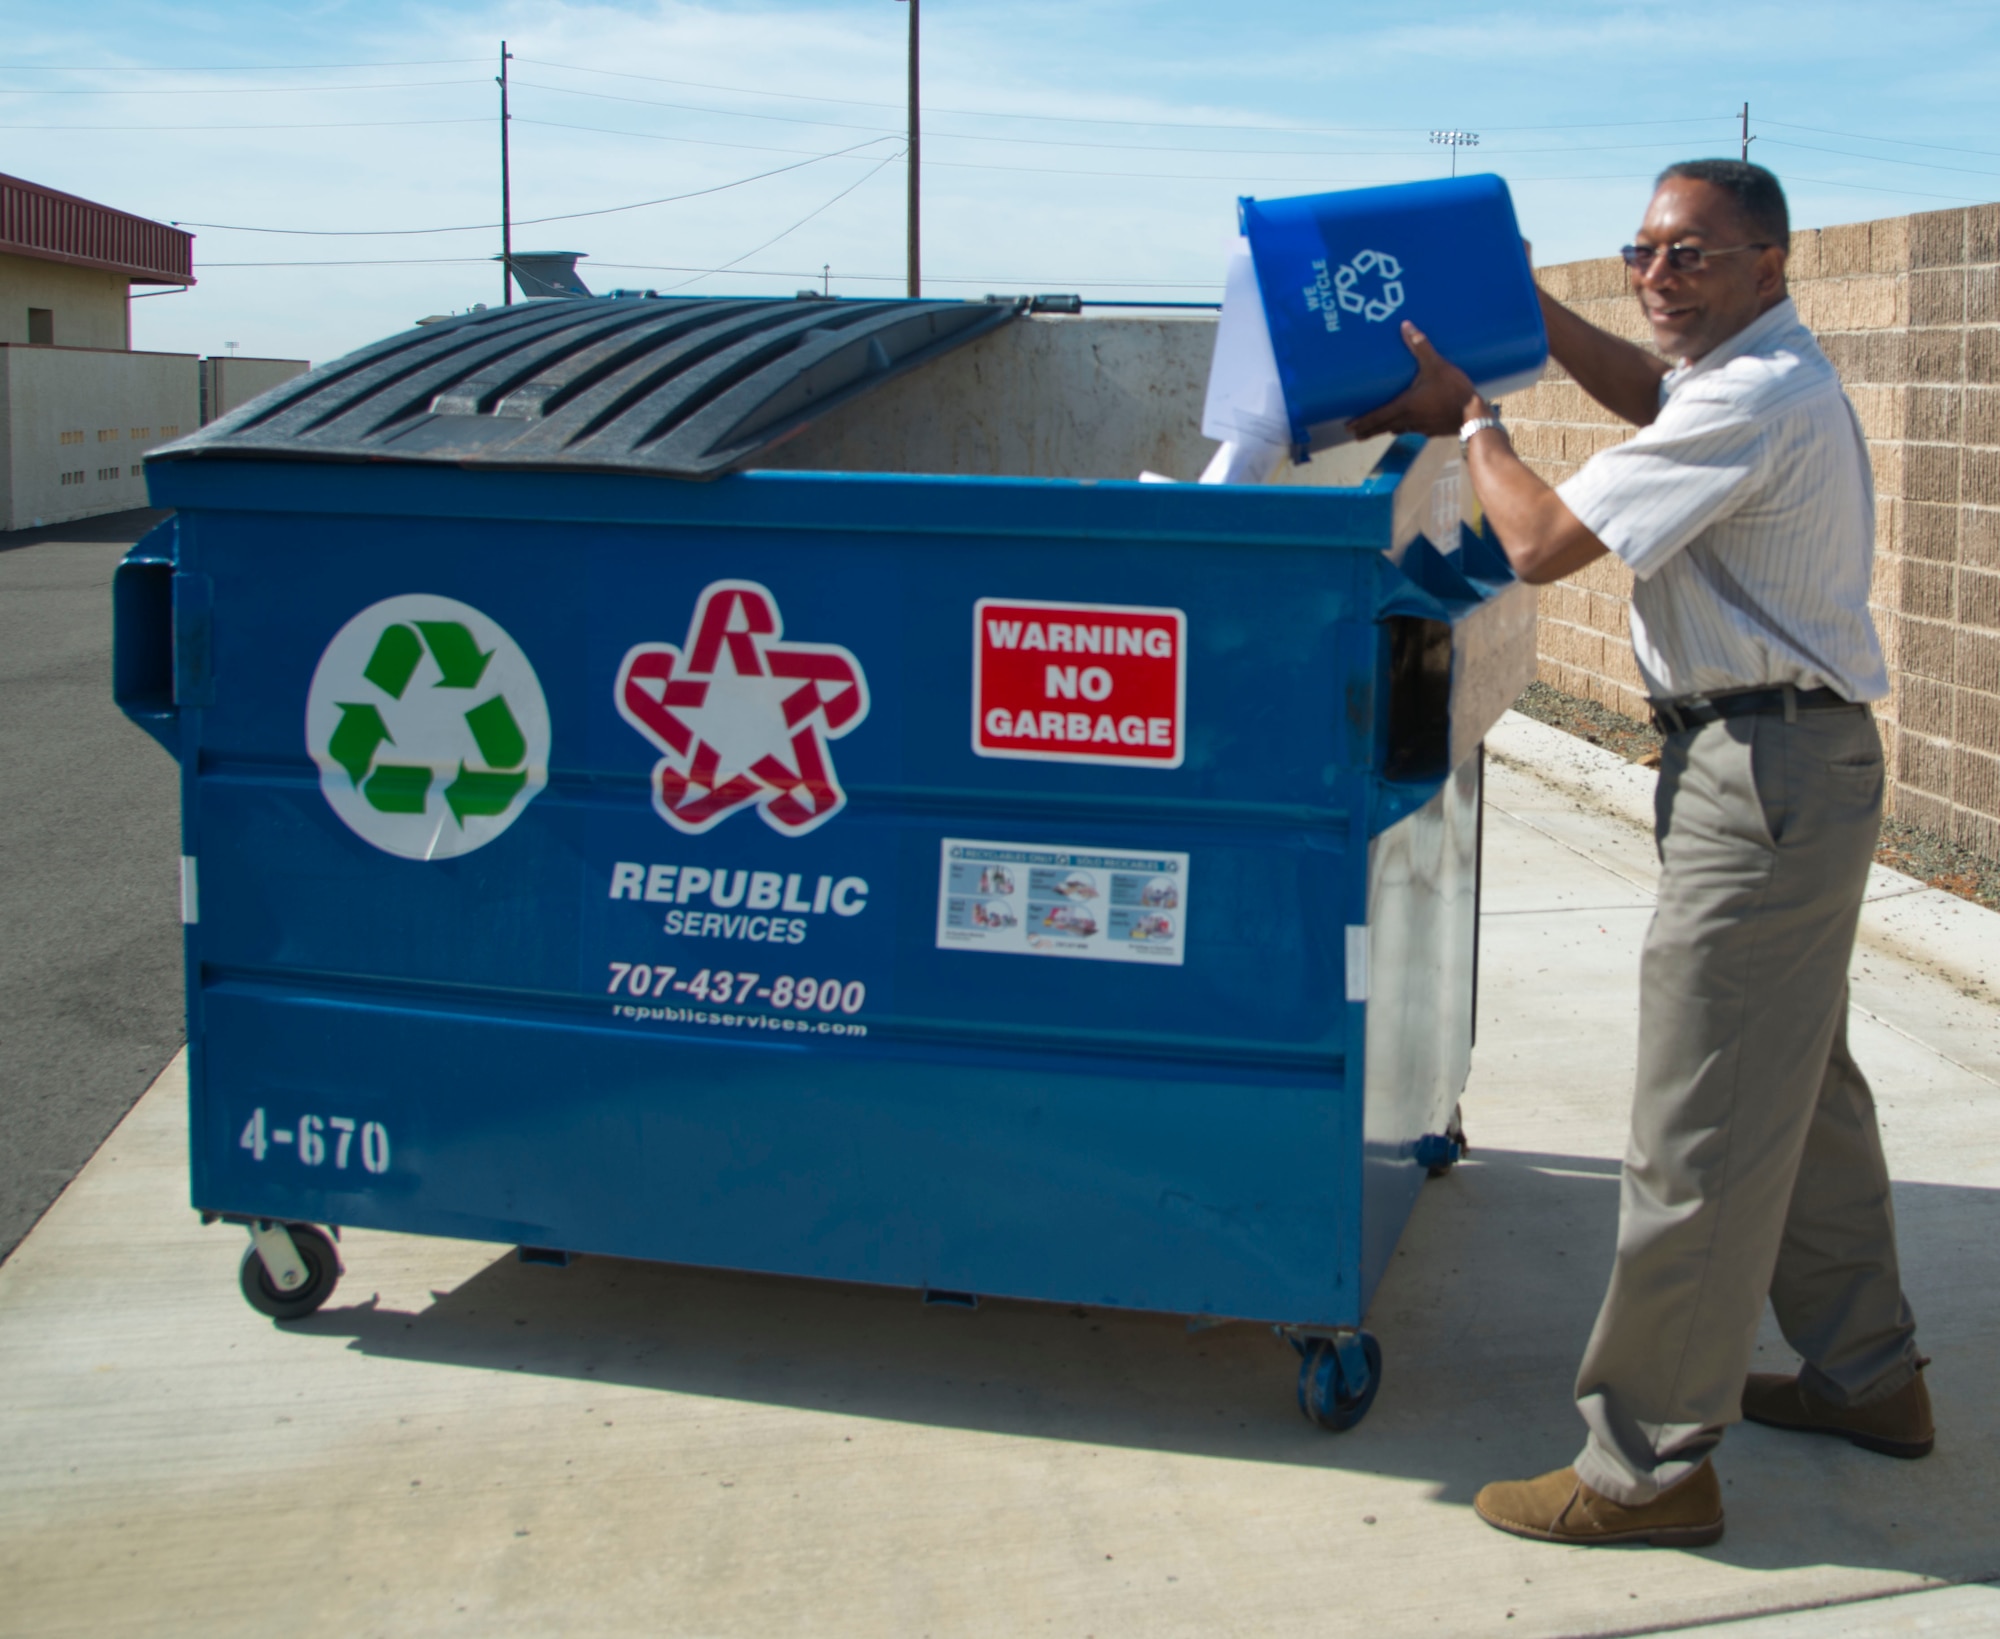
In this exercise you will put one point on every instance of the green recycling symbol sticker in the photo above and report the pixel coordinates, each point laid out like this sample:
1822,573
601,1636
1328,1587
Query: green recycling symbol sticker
428,726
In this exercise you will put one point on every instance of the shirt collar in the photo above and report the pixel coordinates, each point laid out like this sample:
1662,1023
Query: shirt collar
1752,338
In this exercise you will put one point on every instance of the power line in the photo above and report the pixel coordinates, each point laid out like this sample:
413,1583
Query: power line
878,134
1817,181
319,125
1122,176
751,147
741,90
233,90
993,281
1230,178
976,113
1219,153
989,280
1043,142
1080,119
652,136
802,221
1048,142
1880,159
1513,179
368,261
695,108
1908,193
220,68
1901,142
527,222
792,96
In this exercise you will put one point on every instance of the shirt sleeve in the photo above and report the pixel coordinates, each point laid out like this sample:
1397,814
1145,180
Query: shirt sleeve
1647,498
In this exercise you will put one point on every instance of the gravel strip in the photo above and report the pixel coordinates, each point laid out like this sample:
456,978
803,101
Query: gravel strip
1930,858
1636,742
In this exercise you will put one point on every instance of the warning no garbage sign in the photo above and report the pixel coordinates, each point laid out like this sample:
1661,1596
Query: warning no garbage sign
1078,682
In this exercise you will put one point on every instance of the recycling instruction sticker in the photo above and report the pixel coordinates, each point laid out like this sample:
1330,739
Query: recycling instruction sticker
1019,899
428,726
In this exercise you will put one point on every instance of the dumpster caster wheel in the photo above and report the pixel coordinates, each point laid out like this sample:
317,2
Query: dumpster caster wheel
1454,1134
1338,1379
322,1270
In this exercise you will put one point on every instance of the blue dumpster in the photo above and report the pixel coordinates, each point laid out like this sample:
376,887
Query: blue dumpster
606,832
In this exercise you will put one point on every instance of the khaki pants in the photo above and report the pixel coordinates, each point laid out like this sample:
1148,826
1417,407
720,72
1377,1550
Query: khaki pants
1754,1168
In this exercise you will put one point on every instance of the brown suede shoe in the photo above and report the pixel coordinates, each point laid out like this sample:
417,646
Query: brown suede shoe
1559,1507
1899,1426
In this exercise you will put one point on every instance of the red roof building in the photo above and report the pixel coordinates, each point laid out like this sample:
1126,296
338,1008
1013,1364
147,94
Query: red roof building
78,408
51,226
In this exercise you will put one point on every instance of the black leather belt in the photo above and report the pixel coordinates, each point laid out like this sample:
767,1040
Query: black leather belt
1694,710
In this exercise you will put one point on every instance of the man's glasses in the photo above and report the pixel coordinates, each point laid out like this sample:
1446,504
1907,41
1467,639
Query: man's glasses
1681,258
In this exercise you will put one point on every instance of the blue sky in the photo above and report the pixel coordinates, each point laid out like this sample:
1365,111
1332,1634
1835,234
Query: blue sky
1094,146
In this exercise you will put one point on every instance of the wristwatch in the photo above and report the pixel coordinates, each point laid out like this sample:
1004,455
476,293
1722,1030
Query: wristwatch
1479,424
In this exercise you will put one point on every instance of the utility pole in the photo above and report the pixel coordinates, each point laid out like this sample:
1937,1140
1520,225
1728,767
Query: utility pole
506,194
1747,137
912,233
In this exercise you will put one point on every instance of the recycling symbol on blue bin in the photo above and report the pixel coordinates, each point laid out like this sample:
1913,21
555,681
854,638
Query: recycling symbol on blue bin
1371,284
428,726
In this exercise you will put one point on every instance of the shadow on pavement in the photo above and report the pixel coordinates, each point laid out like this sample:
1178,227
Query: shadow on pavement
119,528
1481,1319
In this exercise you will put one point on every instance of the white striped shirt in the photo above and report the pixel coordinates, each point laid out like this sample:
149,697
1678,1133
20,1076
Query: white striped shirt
1746,512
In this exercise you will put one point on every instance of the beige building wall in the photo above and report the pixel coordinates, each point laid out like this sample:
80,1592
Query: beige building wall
230,383
88,303
77,423
1908,309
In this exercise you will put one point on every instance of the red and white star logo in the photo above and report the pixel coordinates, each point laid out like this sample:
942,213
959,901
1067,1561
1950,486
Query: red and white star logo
740,717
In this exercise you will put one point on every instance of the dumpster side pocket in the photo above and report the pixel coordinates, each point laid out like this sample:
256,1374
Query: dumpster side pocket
142,648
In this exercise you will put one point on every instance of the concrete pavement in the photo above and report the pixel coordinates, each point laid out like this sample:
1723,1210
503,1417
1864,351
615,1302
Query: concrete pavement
90,969
462,1443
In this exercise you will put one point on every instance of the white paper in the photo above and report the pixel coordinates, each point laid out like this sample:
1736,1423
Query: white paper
1246,402
1245,462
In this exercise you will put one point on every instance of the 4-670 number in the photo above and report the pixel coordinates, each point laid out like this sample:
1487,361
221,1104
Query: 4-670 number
721,987
320,1139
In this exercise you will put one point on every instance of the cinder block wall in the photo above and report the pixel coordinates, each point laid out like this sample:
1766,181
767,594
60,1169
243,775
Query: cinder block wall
1909,312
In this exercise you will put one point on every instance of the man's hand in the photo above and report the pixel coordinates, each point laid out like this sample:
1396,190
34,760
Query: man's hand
1542,538
1440,401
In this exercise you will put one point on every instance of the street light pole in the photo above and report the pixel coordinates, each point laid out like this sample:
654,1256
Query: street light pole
1455,140
912,232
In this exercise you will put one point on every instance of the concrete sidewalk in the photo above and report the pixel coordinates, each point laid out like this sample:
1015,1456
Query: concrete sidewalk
460,1443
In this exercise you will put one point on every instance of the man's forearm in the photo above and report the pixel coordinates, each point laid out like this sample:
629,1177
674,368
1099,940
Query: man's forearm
1542,538
1623,378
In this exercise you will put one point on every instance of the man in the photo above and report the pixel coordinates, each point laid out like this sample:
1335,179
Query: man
1744,508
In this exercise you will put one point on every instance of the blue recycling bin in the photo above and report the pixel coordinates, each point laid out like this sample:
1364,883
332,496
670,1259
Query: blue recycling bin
1032,887
1339,273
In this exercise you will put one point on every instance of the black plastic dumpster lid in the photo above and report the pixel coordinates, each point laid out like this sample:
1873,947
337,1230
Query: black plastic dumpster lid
687,387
